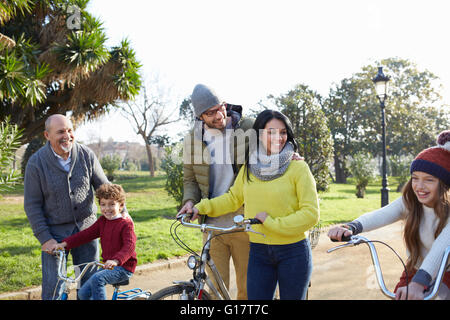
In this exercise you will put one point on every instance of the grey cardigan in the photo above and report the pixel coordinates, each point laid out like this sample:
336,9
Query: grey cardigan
54,197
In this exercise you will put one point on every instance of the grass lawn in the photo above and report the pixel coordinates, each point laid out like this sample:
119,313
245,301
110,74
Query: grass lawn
339,204
153,212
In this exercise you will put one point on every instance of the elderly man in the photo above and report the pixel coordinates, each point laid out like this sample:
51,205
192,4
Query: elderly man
60,179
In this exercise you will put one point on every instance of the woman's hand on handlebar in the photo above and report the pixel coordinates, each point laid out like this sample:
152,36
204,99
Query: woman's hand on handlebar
336,233
261,216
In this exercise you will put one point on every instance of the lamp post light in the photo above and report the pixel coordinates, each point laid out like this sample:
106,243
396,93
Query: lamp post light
381,81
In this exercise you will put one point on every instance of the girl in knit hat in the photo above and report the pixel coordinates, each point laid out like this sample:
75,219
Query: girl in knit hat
425,209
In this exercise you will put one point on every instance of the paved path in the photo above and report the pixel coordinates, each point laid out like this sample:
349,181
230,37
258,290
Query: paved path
343,274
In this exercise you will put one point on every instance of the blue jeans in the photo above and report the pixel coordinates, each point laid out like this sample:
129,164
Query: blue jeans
94,288
51,287
290,265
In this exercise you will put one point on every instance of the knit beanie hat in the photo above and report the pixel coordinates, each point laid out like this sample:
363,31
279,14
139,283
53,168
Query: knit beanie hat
435,160
203,98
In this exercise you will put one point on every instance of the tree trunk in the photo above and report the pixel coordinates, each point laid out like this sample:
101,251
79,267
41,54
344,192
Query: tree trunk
150,160
360,191
339,169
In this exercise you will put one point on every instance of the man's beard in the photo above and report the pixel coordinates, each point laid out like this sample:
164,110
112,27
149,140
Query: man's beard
64,148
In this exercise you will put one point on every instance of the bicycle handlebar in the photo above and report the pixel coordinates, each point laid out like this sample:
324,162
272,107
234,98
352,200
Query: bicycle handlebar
239,223
357,239
61,256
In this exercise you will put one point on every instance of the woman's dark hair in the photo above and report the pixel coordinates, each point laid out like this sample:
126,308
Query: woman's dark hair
260,123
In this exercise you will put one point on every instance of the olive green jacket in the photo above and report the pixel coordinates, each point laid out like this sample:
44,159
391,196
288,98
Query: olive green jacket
196,159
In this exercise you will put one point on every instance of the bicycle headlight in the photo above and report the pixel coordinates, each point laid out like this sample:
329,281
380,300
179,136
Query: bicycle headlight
192,262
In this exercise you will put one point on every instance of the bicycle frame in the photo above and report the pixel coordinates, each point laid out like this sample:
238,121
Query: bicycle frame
199,277
68,281
223,294
357,239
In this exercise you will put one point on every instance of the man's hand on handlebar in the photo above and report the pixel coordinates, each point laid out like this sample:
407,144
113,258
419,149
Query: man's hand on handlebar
189,209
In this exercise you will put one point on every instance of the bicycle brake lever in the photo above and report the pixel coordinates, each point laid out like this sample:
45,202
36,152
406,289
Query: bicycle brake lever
354,241
348,244
248,228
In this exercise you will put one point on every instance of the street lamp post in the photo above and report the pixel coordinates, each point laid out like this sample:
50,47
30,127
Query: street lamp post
381,88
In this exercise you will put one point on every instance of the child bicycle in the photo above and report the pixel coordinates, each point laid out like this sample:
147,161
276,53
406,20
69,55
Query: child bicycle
132,294
434,288
194,289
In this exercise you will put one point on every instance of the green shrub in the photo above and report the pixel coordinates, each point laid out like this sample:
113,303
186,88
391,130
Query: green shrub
362,169
174,171
110,164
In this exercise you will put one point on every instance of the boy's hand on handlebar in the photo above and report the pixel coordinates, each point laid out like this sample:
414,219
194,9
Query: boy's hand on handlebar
336,233
110,264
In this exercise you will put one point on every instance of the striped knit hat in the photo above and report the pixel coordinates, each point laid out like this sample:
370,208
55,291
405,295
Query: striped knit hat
435,160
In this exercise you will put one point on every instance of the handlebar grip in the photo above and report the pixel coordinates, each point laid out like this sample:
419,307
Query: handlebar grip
343,239
187,215
255,221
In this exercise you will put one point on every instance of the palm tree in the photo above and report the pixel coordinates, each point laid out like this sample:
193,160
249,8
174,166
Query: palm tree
56,69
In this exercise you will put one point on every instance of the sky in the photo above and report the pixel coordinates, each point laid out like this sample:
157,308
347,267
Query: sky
246,50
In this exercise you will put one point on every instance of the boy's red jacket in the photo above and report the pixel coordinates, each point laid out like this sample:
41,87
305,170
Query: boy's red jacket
117,239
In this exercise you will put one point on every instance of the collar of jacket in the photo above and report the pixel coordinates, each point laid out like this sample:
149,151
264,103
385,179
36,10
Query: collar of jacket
54,161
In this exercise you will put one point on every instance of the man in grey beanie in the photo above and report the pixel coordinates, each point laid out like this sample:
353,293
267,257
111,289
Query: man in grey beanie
216,127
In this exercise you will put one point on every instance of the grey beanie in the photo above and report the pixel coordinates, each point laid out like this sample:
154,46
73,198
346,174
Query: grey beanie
203,98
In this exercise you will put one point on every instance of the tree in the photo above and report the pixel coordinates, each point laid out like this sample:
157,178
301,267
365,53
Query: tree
60,64
186,110
414,113
362,169
149,114
399,166
344,109
9,9
9,143
110,164
303,108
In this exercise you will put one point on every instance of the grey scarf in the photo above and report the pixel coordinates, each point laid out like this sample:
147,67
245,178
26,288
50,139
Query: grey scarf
266,167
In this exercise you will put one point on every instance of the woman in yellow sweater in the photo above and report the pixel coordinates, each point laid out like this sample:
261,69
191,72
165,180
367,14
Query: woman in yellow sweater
281,194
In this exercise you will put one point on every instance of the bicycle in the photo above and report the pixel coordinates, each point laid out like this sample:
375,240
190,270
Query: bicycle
132,294
357,239
194,289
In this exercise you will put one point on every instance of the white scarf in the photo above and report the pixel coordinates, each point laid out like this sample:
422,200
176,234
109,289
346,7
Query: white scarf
266,167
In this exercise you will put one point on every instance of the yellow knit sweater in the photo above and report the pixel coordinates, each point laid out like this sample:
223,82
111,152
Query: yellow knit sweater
290,201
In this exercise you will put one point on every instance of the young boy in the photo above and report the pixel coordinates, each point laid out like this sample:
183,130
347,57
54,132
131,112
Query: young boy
117,239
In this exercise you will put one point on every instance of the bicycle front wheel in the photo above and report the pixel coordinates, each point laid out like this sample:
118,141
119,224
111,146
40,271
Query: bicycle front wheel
178,292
